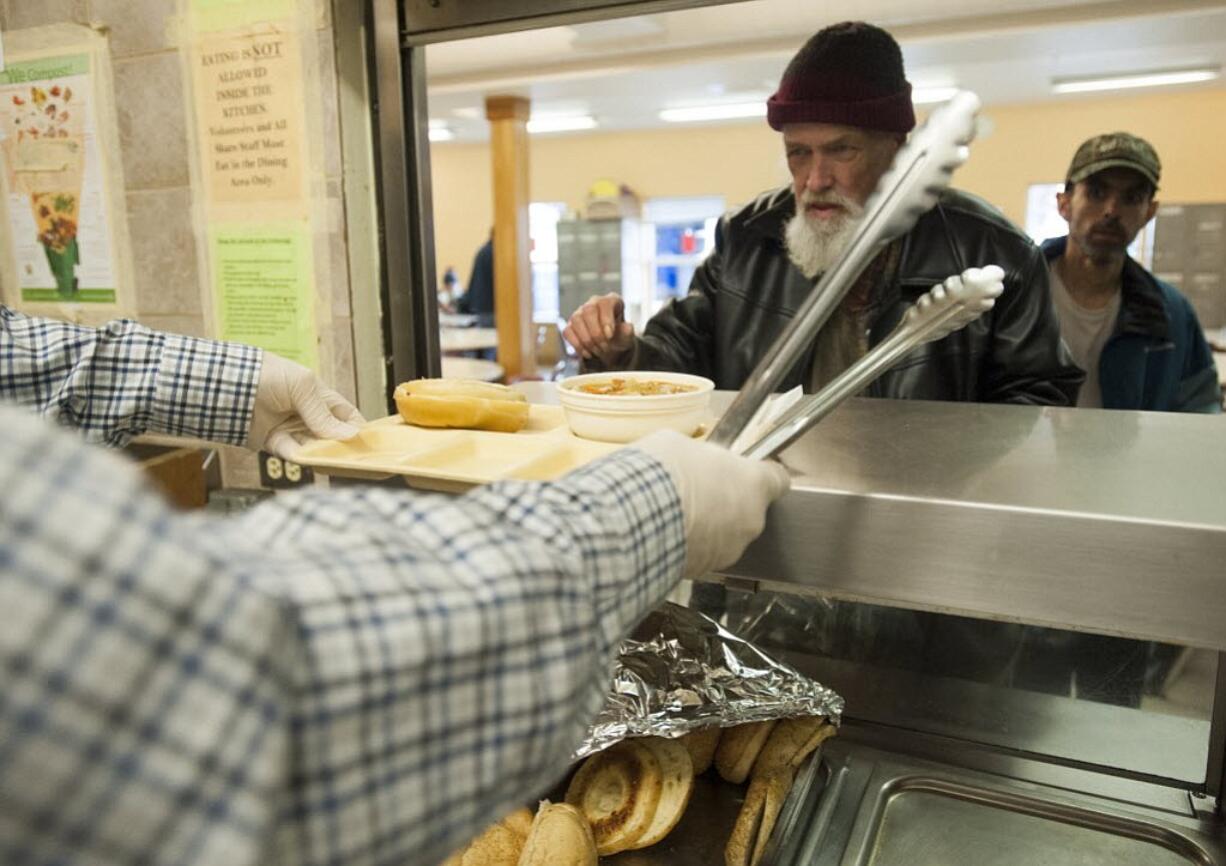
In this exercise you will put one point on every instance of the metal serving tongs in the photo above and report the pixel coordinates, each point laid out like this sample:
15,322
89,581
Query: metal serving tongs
920,171
945,308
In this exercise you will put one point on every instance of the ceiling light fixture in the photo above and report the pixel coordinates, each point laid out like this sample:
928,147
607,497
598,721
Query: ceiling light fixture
1142,79
441,133
561,123
929,95
726,111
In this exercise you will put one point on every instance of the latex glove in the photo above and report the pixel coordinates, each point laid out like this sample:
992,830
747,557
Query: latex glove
292,407
724,497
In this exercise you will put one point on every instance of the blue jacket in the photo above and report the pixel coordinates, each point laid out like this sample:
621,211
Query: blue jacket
1157,358
479,299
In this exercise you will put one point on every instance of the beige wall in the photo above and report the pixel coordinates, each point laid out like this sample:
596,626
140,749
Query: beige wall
737,162
1027,144
1034,143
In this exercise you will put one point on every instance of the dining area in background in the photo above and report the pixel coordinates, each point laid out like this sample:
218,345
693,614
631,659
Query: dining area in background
469,351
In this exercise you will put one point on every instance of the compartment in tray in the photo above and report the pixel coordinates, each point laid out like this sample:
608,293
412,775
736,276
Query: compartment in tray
545,419
381,443
477,456
929,821
560,458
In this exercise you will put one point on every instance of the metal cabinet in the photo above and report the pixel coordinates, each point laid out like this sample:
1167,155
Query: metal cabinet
596,257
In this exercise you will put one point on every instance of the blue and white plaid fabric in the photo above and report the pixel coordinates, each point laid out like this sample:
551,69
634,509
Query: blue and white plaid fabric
337,678
122,379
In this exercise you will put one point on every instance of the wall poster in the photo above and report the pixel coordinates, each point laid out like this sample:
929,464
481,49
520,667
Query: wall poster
247,85
59,225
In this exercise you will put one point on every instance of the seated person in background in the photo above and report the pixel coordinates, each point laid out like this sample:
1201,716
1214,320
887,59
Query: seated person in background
844,109
447,292
1137,337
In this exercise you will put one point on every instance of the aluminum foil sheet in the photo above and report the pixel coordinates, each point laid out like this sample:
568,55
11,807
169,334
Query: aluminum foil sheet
680,671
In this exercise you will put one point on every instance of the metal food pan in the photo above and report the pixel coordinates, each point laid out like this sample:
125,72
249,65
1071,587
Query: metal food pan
926,820
879,809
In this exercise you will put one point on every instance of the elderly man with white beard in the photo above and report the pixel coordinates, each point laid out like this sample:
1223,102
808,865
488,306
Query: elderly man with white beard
844,108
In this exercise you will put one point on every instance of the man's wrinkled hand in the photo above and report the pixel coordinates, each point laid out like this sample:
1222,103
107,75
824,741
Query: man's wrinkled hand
599,329
292,407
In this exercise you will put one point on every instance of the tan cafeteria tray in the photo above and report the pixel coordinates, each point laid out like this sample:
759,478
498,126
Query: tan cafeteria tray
453,460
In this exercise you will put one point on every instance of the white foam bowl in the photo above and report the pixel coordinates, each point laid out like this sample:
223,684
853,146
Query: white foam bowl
624,418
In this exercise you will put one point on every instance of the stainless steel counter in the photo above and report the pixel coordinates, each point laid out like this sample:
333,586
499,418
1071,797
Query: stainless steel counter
1112,522
1092,520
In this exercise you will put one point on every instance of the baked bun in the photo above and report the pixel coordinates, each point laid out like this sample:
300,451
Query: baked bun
560,836
617,791
759,812
499,845
677,783
790,743
519,821
464,403
701,746
739,748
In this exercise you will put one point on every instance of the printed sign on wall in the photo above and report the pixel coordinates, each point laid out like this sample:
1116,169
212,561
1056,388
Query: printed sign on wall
58,219
247,84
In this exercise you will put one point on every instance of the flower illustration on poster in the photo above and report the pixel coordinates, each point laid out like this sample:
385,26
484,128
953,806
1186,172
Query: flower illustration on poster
56,211
50,150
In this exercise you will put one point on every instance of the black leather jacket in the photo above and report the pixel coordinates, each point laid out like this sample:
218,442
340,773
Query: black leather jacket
746,291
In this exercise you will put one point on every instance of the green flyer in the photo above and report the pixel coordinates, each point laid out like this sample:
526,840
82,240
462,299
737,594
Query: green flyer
264,288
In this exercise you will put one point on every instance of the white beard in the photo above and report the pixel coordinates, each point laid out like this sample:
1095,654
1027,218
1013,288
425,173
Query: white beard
815,245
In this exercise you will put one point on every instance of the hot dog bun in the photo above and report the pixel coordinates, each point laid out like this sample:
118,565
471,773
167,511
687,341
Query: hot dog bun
701,745
464,403
738,749
756,821
790,743
560,836
500,844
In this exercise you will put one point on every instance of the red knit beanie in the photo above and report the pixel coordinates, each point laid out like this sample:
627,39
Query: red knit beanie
850,74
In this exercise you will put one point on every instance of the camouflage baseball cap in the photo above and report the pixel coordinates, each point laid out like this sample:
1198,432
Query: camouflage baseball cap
1115,150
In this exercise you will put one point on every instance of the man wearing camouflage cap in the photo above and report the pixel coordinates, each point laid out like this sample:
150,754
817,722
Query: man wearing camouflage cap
1136,336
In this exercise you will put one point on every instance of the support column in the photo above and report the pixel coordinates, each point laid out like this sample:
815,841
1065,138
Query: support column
508,117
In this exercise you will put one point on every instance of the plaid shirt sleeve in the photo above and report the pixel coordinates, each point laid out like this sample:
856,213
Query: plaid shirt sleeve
337,678
122,379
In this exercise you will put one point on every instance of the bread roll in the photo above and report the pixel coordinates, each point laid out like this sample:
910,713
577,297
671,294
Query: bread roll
559,836
519,822
462,403
790,743
739,748
677,783
617,791
763,802
499,845
701,745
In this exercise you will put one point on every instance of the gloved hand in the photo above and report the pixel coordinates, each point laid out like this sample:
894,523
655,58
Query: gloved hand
292,407
723,497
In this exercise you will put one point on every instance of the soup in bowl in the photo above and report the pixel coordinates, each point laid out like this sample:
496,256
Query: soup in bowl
623,406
